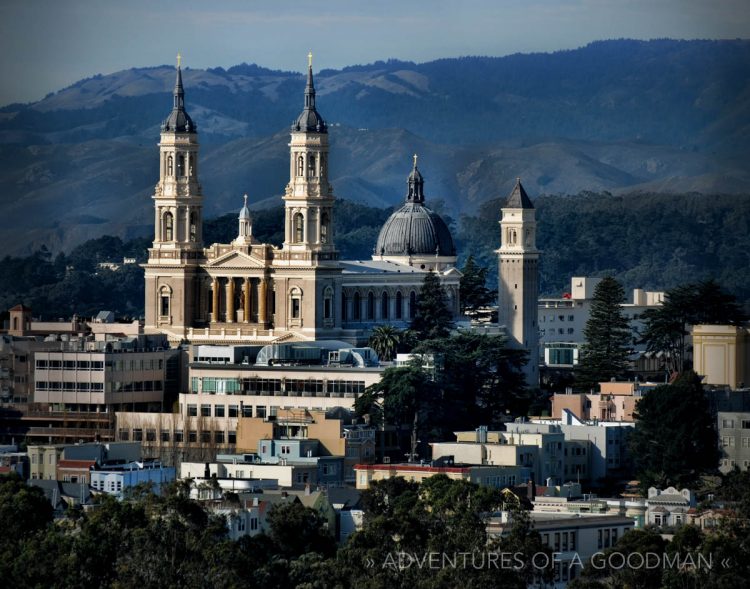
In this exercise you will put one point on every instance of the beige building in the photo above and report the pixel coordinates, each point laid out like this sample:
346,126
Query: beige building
616,401
721,354
247,291
491,476
518,278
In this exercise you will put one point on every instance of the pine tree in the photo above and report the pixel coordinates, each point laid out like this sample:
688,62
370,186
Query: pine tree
474,291
432,319
604,354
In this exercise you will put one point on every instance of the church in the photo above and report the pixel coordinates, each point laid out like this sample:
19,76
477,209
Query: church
247,292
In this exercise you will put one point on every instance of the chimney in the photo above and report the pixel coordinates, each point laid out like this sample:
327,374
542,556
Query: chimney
531,489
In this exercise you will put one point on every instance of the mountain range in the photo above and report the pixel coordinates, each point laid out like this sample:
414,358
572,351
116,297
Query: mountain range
618,116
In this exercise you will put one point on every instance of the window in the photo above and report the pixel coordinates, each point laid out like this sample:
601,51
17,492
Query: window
295,302
399,305
219,437
384,305
205,437
412,304
324,224
746,424
123,435
192,410
370,306
300,166
356,307
327,303
170,165
205,410
193,228
168,227
180,165
150,435
232,437
571,317
179,436
728,423
299,228
219,410
311,166
164,306
137,435
344,302
241,523
165,435
233,410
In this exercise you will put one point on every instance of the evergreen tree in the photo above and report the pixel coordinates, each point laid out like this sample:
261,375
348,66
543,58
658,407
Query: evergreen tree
604,354
474,291
432,319
674,440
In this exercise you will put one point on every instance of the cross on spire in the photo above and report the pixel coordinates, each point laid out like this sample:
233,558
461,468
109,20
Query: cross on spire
415,160
309,59
179,59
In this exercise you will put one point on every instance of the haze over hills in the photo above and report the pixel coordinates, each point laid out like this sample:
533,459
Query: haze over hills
665,116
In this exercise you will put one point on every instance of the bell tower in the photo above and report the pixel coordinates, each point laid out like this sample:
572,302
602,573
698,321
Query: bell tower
308,199
518,278
172,291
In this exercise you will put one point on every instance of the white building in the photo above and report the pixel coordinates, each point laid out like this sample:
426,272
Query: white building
116,480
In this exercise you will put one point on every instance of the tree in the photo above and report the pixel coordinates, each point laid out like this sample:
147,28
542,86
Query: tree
667,327
432,318
297,530
385,340
674,440
474,291
604,354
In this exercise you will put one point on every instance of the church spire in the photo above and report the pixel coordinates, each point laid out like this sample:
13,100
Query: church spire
310,121
178,120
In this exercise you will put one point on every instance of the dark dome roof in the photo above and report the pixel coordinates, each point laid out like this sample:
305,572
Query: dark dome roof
414,229
178,120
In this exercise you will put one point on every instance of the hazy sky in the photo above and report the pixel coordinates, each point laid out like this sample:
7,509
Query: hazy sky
46,45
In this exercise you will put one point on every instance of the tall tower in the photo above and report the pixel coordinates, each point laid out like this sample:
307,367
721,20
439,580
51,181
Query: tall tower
518,278
309,197
307,274
178,241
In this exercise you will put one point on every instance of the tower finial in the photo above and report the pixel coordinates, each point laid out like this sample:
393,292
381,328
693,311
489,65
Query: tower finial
309,59
246,200
179,59
415,160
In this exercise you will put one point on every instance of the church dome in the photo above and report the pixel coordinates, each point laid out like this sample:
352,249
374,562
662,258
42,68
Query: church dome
414,229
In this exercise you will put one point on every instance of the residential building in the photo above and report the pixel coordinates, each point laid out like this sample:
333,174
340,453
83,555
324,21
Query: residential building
575,538
669,507
45,460
734,440
608,454
491,476
615,401
115,480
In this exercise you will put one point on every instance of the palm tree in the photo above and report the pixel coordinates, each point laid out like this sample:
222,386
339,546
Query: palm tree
384,340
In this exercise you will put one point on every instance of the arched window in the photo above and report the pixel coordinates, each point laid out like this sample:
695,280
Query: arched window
165,297
180,165
357,307
412,304
384,305
168,227
15,323
324,223
193,228
170,165
299,228
370,306
328,303
295,303
344,302
399,305
311,166
300,166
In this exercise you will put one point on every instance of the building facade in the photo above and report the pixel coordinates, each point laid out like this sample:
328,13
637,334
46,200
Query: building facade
247,291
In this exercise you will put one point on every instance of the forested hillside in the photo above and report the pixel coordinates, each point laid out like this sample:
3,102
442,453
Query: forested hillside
653,241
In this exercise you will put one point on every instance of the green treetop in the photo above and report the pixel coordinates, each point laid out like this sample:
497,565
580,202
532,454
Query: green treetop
604,354
432,319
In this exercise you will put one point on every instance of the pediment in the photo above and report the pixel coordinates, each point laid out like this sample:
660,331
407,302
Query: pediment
235,260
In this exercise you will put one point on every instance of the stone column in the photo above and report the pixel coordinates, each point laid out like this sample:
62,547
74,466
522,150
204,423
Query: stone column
248,301
262,300
215,301
230,300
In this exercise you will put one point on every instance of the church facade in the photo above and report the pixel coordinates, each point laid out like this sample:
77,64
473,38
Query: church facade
251,292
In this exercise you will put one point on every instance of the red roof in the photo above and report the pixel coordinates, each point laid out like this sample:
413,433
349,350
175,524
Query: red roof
21,308
79,464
